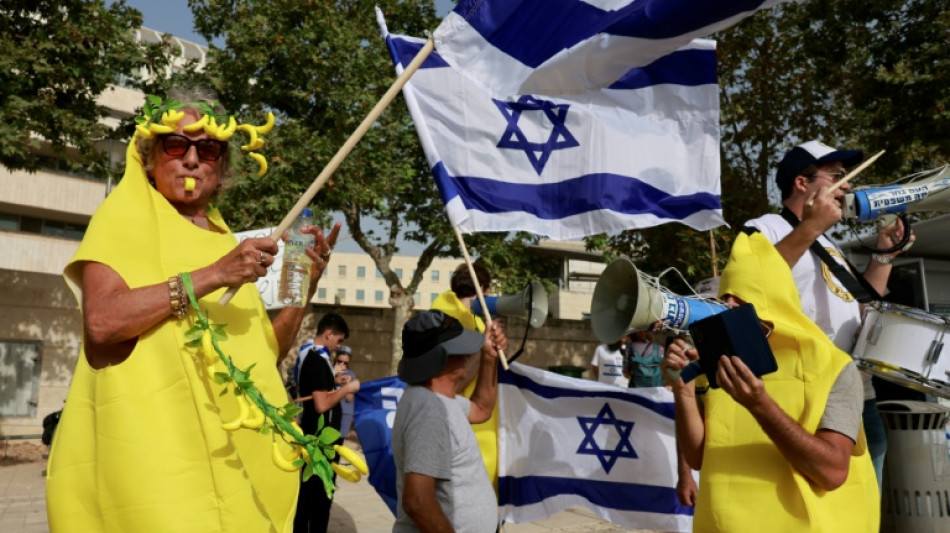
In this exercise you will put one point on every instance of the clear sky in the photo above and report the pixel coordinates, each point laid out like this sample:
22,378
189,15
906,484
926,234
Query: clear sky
173,16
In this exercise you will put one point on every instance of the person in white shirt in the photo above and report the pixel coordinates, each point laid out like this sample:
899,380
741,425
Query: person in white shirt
608,363
804,176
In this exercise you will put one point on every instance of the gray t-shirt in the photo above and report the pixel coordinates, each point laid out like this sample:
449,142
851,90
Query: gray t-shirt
432,436
843,410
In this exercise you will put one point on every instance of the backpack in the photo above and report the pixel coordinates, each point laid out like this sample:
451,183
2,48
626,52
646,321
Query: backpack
49,426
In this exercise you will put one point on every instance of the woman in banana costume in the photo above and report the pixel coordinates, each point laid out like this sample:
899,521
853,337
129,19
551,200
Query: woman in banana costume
140,446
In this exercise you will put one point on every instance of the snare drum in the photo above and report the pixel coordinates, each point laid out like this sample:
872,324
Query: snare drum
904,345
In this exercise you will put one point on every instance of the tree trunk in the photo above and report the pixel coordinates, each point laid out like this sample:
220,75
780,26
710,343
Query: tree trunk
401,303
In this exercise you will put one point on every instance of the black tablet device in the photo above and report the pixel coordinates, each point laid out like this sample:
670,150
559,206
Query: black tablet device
735,331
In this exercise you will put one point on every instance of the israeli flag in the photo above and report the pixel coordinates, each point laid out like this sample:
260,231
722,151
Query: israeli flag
566,442
643,152
557,47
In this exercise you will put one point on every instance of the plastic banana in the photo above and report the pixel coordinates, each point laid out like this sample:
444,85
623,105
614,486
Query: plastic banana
354,458
226,131
160,129
243,411
256,418
207,346
261,160
211,126
171,117
196,125
282,462
252,137
144,131
346,473
267,125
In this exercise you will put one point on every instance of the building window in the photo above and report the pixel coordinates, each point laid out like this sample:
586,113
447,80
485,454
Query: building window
341,271
378,296
433,296
42,226
435,275
360,295
340,295
417,298
361,272
20,359
399,273
379,275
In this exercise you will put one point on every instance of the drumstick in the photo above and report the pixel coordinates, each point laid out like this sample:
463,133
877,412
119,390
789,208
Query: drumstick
855,172
304,399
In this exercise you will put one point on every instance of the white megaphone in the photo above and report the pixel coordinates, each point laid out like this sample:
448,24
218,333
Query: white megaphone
532,303
624,302
926,194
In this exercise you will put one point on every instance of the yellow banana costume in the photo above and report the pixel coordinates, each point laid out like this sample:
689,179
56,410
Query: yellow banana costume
745,482
486,433
140,445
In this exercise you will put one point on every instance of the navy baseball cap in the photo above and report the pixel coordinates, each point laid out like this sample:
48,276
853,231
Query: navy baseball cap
811,153
428,339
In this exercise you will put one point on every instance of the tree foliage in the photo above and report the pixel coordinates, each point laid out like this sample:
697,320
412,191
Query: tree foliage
59,58
852,73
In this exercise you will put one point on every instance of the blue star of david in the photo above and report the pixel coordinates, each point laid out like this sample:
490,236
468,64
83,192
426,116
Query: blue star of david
538,153
590,447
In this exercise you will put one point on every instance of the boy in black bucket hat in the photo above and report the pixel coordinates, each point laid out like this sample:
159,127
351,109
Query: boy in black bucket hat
440,478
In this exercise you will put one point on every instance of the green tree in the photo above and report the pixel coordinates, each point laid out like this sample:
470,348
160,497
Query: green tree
849,72
59,59
320,66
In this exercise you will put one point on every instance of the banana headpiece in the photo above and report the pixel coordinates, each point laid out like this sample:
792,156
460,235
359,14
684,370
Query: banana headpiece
160,117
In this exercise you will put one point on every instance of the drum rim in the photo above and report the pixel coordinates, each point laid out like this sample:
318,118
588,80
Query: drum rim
910,312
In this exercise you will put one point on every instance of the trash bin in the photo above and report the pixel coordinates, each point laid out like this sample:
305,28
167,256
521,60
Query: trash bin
568,370
916,481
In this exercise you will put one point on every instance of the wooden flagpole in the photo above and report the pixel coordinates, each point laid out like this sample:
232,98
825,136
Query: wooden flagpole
855,172
478,291
712,247
345,150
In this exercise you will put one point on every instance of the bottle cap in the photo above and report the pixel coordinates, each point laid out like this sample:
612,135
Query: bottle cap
306,212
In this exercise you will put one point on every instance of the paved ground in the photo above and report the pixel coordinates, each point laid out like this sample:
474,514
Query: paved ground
356,508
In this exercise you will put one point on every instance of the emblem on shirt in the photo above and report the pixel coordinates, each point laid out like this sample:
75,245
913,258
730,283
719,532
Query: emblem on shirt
831,281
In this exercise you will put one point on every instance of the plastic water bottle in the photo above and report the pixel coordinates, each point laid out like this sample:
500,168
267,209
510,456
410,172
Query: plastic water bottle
295,272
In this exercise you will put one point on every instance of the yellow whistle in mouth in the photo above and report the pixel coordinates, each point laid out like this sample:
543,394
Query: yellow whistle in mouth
189,184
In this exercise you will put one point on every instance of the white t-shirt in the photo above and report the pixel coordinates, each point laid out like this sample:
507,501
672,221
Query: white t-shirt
824,298
609,366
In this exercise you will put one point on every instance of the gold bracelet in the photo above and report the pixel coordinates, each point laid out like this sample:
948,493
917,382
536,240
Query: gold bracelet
176,296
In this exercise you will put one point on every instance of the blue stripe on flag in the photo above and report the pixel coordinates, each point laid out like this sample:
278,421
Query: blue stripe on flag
554,392
554,201
532,31
684,67
527,490
405,50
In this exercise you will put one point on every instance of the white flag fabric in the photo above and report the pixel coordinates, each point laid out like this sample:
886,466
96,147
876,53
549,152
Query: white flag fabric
556,47
640,153
566,442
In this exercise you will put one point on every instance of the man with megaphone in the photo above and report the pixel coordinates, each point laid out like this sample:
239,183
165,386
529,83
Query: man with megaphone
829,286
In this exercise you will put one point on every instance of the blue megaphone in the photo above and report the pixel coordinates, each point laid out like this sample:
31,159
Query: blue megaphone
870,203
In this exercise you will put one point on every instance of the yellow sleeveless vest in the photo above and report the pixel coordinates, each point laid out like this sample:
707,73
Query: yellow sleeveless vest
140,445
746,485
